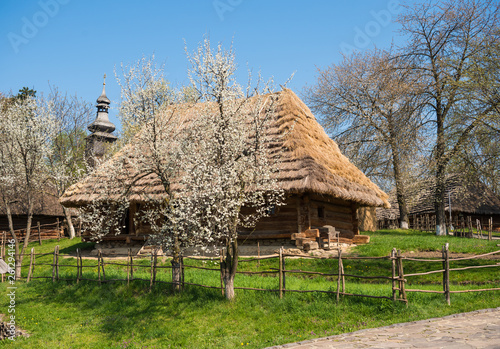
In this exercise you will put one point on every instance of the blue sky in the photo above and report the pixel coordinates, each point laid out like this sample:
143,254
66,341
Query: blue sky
72,43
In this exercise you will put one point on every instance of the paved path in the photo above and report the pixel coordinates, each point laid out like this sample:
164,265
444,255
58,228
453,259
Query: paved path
477,329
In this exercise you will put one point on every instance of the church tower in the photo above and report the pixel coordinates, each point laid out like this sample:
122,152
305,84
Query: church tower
101,131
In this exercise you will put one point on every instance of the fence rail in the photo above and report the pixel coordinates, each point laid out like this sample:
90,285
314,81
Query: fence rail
38,232
397,280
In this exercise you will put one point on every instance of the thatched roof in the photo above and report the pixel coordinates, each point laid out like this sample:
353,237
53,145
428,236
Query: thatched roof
471,197
310,161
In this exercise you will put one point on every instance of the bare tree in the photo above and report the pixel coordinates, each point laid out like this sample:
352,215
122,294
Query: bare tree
370,103
447,40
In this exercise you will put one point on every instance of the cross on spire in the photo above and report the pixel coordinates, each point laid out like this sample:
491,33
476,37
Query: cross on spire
104,83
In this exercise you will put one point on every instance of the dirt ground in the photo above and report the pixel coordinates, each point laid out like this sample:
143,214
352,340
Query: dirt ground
247,251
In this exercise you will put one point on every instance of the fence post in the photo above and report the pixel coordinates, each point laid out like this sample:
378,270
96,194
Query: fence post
128,266
393,261
280,274
469,225
30,270
340,273
283,264
103,271
221,273
131,266
402,292
77,266
490,229
81,263
99,265
57,263
446,273
54,265
151,272
154,265
39,234
343,276
2,250
182,273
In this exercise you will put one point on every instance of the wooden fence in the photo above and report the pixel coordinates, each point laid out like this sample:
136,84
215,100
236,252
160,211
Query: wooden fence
396,280
462,226
38,232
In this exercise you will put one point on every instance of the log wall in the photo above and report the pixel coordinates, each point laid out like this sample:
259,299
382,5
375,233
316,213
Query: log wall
305,211
299,213
338,213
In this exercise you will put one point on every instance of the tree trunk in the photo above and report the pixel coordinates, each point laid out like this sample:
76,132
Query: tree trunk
176,266
439,195
20,255
229,266
71,228
398,176
229,288
400,191
439,202
16,242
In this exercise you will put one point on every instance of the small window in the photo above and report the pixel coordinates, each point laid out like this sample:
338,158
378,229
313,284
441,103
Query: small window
321,212
271,210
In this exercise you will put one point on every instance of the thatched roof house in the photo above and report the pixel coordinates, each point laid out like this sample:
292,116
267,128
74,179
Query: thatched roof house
46,210
467,198
323,187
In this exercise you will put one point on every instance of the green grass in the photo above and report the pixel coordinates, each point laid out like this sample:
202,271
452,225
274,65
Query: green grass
114,315
383,241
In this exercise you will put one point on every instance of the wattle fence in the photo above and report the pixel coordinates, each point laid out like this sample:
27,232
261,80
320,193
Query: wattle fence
134,268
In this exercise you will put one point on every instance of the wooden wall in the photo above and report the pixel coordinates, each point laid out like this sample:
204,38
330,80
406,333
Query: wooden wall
280,225
302,212
299,213
341,214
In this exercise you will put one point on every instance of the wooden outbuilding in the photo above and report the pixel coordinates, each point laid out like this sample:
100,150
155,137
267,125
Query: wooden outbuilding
322,186
47,211
464,198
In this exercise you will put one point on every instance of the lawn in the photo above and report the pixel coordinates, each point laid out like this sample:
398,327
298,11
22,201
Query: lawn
114,315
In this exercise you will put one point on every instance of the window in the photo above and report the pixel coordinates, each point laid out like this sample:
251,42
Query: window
321,212
271,210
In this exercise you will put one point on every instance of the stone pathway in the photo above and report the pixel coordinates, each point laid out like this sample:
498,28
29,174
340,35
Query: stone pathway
477,329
